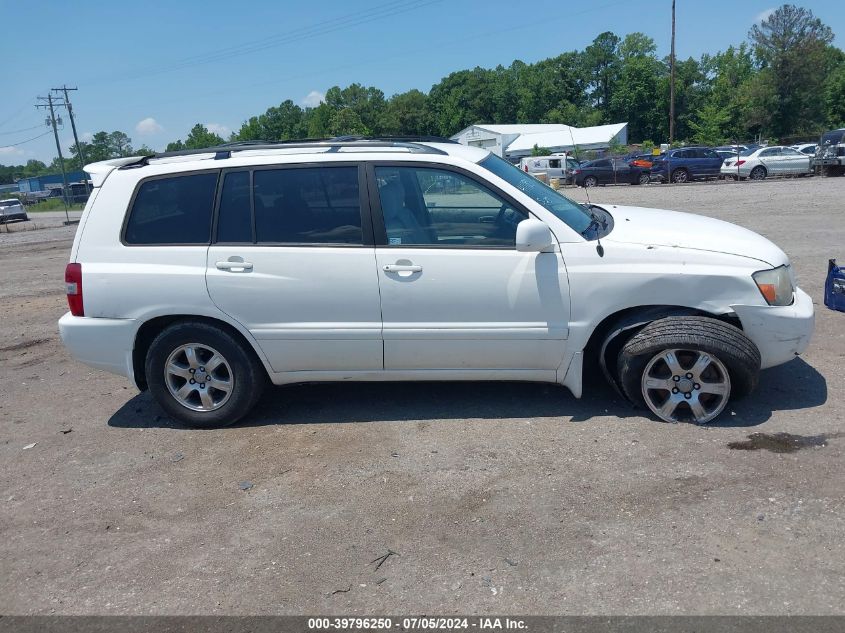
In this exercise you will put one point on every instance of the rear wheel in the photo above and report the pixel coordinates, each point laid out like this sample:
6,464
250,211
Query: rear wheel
202,376
758,173
590,181
643,179
686,369
680,176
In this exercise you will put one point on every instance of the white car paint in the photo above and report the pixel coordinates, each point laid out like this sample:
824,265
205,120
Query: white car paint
777,160
339,313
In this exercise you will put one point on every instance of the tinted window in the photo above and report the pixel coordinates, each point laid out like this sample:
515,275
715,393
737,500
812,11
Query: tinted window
315,205
684,153
709,153
772,151
173,211
234,217
601,164
788,151
424,206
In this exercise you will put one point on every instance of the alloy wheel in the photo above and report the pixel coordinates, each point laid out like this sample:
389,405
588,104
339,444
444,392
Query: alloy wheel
681,385
198,377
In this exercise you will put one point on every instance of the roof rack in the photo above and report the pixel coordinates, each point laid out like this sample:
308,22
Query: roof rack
413,144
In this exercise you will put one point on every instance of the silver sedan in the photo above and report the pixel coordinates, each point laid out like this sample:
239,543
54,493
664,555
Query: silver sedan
760,163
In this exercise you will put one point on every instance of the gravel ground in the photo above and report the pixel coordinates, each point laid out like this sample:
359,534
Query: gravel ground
495,498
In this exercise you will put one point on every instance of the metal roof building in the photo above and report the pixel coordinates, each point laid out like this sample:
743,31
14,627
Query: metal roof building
516,140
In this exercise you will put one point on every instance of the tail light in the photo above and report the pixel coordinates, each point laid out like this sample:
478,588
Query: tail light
525,168
575,172
73,287
740,162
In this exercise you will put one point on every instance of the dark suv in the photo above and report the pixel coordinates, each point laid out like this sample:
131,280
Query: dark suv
685,164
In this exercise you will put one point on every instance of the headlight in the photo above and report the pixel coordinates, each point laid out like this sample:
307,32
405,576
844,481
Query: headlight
776,285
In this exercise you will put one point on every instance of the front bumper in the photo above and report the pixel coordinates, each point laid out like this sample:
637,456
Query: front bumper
105,344
779,332
13,217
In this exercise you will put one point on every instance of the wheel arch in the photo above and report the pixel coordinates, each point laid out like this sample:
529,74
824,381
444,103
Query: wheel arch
616,329
154,326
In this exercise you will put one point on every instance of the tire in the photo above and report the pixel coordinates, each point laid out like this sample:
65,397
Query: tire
680,176
590,181
758,173
235,386
713,362
643,180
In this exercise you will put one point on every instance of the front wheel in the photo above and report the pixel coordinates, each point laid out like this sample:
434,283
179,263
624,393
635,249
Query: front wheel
643,179
203,376
686,369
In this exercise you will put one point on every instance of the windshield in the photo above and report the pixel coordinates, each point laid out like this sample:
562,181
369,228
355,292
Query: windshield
9,203
572,213
832,138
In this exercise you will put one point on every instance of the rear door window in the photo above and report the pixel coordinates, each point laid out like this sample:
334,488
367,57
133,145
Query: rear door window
234,217
173,210
313,205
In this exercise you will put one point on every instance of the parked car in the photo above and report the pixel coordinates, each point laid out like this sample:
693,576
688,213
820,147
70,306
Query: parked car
641,160
777,160
806,148
686,164
610,171
202,275
11,210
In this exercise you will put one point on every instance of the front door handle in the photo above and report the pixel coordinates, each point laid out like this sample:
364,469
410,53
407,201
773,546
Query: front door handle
402,268
234,266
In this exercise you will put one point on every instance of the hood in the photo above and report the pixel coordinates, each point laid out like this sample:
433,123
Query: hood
637,225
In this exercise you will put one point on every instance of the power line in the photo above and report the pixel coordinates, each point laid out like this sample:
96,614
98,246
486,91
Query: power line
27,140
395,7
26,129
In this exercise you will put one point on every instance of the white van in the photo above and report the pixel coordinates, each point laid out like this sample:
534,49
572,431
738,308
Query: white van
554,166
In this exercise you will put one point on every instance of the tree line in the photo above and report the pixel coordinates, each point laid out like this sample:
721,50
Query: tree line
786,82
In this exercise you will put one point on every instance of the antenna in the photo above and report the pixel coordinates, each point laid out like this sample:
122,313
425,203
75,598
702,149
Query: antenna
599,247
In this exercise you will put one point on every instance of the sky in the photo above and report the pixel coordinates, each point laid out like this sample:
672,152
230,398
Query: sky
154,68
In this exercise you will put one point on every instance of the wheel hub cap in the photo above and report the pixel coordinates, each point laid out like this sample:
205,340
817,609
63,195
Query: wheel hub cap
681,385
198,377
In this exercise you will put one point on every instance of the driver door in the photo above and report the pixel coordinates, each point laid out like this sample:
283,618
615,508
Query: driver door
455,293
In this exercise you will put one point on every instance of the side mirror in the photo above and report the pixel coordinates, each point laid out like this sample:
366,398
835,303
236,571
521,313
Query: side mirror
533,236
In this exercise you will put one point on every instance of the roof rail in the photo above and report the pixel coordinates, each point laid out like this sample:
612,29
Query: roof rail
413,144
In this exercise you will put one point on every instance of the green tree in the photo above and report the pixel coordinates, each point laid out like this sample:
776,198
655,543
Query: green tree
346,122
708,127
540,151
407,114
791,47
198,138
601,61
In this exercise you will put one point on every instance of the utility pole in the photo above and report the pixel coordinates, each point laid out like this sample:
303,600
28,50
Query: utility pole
49,104
79,149
672,82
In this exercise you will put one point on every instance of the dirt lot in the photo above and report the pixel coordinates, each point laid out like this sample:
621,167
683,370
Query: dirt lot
495,498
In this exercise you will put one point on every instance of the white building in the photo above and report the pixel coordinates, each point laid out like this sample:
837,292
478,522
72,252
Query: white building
516,140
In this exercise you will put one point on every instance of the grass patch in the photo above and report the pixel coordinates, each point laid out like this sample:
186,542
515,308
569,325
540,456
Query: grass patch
55,204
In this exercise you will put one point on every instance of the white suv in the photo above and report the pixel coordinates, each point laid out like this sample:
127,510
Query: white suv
201,275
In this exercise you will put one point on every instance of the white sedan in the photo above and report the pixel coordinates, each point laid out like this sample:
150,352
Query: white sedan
757,164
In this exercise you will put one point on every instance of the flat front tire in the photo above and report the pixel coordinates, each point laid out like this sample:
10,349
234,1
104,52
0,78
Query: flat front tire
686,369
202,376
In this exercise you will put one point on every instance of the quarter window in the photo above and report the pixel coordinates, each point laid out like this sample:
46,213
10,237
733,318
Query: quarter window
423,206
173,210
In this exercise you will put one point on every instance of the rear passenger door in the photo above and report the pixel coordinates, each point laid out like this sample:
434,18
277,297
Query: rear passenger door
292,259
711,162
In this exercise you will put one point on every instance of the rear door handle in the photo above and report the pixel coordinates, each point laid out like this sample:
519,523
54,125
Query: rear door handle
402,268
236,267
